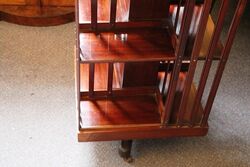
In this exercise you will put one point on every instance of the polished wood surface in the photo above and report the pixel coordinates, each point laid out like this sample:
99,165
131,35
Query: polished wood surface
12,2
101,111
36,12
135,75
123,14
123,46
139,133
36,16
103,11
57,3
121,111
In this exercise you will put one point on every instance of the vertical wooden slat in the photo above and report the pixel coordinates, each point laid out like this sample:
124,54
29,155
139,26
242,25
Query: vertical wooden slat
209,57
113,12
193,61
94,14
110,77
185,25
165,78
177,14
224,58
91,78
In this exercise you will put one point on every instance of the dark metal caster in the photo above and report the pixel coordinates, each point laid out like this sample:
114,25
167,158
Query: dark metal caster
125,150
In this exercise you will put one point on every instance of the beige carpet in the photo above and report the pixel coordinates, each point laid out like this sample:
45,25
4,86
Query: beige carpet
37,109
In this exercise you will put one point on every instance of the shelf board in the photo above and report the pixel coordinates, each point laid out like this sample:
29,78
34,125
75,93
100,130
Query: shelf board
127,105
140,133
152,44
120,111
122,16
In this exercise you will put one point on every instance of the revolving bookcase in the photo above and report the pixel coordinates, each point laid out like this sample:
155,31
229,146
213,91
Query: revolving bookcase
135,67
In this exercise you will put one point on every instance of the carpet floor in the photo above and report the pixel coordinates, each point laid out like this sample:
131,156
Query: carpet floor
38,119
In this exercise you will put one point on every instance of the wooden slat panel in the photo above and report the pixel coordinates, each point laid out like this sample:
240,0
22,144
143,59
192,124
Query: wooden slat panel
194,58
212,48
103,14
225,54
184,30
101,79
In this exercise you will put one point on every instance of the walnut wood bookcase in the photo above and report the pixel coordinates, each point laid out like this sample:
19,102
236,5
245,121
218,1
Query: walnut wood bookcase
135,66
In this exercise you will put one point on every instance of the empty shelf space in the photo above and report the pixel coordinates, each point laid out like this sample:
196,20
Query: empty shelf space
120,111
103,11
152,44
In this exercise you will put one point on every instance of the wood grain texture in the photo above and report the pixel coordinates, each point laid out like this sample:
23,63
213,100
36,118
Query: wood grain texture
112,112
135,108
103,11
65,3
12,2
139,133
134,45
36,16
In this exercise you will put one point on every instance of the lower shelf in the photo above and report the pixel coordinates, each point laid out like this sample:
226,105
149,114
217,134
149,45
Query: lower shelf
139,133
121,111
135,113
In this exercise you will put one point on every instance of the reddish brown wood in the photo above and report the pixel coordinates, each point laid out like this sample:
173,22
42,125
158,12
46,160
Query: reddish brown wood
120,112
193,61
37,16
139,133
225,54
212,47
140,74
124,63
113,12
148,9
184,30
103,13
94,14
91,78
110,78
122,46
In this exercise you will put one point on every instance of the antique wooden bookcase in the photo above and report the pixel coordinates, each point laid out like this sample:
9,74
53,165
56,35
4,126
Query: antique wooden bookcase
135,66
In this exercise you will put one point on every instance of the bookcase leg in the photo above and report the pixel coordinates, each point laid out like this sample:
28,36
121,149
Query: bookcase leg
125,150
